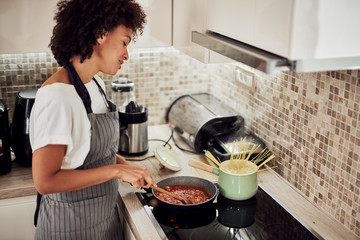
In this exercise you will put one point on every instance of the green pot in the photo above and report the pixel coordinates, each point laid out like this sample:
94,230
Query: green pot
237,186
231,185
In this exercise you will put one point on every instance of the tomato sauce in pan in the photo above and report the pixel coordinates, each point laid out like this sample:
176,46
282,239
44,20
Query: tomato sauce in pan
194,194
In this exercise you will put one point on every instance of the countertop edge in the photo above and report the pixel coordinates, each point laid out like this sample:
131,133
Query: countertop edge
311,216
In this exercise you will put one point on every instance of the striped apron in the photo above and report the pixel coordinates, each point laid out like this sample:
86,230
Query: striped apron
88,213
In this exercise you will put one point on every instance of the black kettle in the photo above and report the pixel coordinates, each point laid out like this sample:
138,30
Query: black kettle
20,126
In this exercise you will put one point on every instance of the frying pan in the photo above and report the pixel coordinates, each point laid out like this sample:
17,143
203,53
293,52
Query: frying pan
204,184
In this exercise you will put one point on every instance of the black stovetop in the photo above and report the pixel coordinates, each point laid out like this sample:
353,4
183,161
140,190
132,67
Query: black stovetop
260,217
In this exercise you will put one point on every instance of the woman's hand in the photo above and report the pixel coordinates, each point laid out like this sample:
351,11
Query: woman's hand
137,176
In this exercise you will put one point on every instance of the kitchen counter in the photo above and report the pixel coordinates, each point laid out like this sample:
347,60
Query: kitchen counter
19,183
317,221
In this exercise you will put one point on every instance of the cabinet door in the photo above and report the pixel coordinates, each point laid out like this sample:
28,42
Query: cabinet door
188,16
272,25
157,31
261,23
325,29
233,18
17,218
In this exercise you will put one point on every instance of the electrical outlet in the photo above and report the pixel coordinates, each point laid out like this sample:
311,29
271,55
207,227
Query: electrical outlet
245,78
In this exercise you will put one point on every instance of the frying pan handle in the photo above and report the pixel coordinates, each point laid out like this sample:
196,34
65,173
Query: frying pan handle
203,166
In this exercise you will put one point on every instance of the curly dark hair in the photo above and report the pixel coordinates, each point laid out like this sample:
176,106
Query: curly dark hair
79,23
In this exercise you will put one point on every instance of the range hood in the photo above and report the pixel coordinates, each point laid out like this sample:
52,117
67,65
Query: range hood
265,61
296,35
241,52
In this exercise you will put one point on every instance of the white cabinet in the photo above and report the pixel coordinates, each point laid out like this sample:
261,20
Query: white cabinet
296,29
312,35
261,23
17,218
188,16
157,31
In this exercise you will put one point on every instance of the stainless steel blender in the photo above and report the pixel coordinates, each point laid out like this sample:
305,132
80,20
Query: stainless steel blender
132,117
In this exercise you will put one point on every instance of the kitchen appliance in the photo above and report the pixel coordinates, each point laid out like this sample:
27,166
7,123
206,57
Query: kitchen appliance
133,129
20,126
5,155
123,91
260,217
291,35
205,123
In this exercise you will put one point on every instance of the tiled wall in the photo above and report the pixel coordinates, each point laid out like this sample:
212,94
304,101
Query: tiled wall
310,121
159,74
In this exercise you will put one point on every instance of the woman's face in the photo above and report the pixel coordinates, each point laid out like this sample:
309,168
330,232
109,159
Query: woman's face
112,49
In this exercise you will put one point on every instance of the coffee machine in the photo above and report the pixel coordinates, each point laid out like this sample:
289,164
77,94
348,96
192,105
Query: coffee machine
132,117
5,155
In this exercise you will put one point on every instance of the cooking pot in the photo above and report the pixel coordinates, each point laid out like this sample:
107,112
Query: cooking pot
204,184
232,186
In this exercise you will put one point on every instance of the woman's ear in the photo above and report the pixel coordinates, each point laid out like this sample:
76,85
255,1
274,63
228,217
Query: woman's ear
101,39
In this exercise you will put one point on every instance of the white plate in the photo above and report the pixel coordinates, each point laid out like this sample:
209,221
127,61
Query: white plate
167,157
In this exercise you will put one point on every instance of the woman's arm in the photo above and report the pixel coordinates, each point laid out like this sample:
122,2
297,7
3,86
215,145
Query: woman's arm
50,178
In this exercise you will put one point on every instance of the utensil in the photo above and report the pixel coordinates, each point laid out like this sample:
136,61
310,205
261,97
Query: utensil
183,199
232,186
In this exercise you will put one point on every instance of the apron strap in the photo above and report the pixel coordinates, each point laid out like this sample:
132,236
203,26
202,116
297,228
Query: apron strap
36,214
79,86
83,92
109,104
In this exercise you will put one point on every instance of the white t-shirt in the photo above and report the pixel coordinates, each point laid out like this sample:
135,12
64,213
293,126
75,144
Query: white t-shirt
59,116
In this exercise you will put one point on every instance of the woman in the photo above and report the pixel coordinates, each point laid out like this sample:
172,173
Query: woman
74,128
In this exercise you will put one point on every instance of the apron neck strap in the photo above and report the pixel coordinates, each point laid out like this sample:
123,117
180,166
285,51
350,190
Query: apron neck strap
79,86
83,92
109,105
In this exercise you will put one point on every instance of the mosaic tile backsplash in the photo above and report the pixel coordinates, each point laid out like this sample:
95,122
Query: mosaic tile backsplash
310,121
